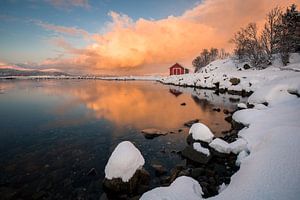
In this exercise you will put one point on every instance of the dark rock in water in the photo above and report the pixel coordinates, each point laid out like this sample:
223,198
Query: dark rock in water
159,170
92,172
228,119
191,122
234,100
190,140
246,66
103,197
234,81
116,185
196,172
165,180
217,109
226,112
174,174
237,126
190,153
183,104
142,189
186,172
215,153
136,197
152,133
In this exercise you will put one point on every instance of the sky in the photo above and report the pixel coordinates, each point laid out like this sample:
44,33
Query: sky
120,37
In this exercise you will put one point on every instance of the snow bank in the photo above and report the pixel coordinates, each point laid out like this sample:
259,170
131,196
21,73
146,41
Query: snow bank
197,146
271,171
238,146
124,161
271,135
182,188
201,132
220,72
220,145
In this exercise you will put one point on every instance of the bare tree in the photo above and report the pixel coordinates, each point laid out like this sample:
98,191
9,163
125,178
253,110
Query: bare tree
270,35
248,47
205,57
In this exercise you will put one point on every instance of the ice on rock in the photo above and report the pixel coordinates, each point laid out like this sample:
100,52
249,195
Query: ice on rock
237,146
182,188
220,145
201,132
124,161
197,146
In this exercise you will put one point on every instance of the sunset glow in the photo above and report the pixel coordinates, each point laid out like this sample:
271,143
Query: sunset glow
121,44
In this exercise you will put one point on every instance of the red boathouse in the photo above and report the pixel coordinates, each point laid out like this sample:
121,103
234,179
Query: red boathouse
177,69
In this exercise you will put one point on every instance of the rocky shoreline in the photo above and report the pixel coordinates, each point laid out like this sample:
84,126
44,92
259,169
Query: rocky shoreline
212,172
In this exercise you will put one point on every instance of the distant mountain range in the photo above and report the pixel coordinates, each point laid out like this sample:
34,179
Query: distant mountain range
30,72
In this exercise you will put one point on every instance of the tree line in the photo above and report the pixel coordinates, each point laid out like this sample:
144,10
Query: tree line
280,35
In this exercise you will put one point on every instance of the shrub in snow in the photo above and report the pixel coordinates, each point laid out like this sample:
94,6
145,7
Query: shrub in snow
124,161
197,146
201,132
220,145
182,188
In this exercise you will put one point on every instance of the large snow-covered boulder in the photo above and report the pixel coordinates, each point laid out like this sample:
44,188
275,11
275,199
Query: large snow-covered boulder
124,172
182,188
201,132
124,161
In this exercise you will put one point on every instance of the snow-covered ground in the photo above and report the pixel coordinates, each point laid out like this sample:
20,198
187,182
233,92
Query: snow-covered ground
222,71
269,145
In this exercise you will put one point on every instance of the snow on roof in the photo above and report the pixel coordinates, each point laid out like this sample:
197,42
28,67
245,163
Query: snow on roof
124,161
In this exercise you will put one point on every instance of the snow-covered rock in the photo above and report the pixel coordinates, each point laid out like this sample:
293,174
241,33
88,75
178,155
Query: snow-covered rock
201,132
182,188
237,146
124,161
241,105
220,145
197,146
242,155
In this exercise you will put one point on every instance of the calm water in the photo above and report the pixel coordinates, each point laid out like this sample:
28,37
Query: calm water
52,132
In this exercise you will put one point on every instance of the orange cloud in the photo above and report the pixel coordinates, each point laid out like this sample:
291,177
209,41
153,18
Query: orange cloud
146,45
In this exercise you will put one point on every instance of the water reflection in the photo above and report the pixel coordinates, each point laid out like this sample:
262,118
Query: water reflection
52,132
139,105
